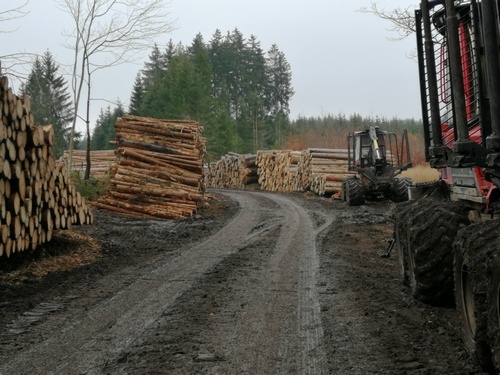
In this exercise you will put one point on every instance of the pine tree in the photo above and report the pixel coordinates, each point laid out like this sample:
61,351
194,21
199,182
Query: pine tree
104,130
215,51
280,82
137,95
256,88
50,100
221,134
201,85
170,51
98,140
279,93
239,94
156,65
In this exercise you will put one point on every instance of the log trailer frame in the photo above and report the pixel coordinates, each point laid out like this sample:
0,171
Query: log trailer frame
377,158
448,240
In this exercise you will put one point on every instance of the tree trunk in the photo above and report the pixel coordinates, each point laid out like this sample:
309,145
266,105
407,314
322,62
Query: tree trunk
159,173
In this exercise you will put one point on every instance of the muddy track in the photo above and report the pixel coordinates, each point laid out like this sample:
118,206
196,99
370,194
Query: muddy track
285,293
268,284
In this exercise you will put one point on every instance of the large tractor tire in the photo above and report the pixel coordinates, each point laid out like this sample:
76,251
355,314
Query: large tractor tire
494,311
354,192
431,227
474,290
399,189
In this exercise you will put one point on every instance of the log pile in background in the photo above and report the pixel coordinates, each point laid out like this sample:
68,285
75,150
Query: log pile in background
322,170
100,161
277,169
36,196
232,171
319,170
159,174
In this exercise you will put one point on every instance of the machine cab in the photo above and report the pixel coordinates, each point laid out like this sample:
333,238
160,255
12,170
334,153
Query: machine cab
369,149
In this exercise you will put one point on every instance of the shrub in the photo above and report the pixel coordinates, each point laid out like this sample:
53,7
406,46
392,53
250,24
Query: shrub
93,188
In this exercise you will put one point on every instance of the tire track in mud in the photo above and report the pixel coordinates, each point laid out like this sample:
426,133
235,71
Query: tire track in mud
303,241
92,340
88,342
280,331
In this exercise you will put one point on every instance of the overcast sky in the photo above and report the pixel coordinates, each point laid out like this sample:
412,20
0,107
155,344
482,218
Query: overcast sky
342,61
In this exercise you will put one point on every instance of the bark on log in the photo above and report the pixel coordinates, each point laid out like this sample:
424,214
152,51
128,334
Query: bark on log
159,173
31,184
101,162
232,171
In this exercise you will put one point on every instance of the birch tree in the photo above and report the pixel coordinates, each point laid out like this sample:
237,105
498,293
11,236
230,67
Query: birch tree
108,33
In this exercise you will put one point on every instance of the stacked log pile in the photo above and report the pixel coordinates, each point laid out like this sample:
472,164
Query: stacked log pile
100,161
322,170
277,169
232,171
159,174
36,196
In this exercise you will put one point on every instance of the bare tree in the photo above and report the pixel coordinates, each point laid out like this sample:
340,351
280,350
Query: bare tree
10,14
108,33
402,19
10,61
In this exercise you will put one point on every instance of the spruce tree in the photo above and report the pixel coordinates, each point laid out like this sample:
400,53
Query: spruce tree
153,68
137,95
50,100
215,51
279,93
104,130
201,84
256,87
237,92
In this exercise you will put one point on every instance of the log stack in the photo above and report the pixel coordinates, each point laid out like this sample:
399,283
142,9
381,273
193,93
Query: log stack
322,170
100,162
232,171
159,174
277,169
36,196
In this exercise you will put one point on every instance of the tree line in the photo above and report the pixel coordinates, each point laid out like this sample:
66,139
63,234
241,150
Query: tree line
239,93
229,85
236,91
331,131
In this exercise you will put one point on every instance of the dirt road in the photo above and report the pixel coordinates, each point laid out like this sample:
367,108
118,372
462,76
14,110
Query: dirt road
262,283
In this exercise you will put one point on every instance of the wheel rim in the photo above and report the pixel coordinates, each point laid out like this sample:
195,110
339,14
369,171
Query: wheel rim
468,302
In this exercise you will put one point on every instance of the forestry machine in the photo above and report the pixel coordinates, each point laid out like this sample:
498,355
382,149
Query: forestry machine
448,237
375,157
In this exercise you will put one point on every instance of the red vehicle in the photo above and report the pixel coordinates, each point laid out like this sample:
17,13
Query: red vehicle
448,240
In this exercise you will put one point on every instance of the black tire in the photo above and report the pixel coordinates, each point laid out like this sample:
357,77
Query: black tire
354,192
431,230
399,189
472,249
494,313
